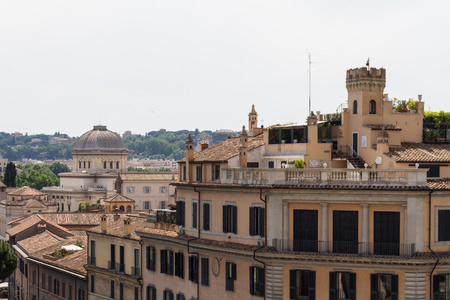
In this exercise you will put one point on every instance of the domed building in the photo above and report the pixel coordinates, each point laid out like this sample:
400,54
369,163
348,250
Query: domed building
99,156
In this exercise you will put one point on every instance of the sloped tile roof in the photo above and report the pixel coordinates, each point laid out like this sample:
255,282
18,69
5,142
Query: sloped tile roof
420,153
439,184
118,198
2,184
25,191
225,150
117,228
149,176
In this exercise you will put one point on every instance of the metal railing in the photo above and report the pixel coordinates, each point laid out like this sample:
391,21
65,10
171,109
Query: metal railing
360,248
111,265
292,176
91,260
166,217
135,271
120,267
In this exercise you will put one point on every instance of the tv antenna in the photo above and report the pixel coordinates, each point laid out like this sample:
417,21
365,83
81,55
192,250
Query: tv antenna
309,71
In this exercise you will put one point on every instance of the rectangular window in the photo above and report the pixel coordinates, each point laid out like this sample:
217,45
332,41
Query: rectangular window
305,230
121,259
302,284
230,275
444,225
433,170
121,290
50,283
168,295
180,296
206,215
63,289
205,271
43,280
252,165
199,173
345,232
147,205
256,218
386,236
162,204
180,213
56,287
384,286
150,254
151,292
194,214
167,262
34,277
257,286
179,264
193,268
184,172
146,190
92,259
130,189
69,287
80,294
112,262
104,165
111,289
136,263
271,164
136,293
216,172
229,218
92,284
342,286
163,189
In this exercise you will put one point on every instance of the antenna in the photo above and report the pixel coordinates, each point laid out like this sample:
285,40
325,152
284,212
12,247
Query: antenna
309,71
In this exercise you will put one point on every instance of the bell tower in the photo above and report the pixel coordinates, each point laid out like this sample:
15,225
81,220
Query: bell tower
252,119
365,87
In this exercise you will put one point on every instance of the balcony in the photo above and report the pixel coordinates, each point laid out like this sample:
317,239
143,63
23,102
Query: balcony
111,265
135,271
91,260
330,247
393,177
120,267
166,216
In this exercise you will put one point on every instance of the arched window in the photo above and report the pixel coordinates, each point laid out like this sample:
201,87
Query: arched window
84,165
110,164
104,165
128,208
117,164
89,164
372,107
355,107
79,165
121,208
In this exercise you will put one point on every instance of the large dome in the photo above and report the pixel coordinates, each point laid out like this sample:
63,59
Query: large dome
100,139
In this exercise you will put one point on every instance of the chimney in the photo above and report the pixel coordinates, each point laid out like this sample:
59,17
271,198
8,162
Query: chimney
204,145
127,226
103,223
189,156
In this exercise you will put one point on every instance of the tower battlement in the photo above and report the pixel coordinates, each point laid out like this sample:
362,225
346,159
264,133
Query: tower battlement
363,79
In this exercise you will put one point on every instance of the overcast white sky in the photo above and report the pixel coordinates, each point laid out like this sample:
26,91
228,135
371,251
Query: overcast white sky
185,64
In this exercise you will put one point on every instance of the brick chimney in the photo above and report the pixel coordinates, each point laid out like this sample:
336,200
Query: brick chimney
204,145
127,226
189,156
103,223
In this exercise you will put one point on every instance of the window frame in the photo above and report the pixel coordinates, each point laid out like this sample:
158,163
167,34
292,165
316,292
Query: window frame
310,279
230,275
375,279
146,189
372,107
195,214
257,281
193,268
179,264
206,216
205,271
166,261
150,255
229,218
335,287
438,220
256,220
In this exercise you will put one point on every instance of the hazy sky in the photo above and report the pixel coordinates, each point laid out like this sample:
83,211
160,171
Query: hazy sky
180,64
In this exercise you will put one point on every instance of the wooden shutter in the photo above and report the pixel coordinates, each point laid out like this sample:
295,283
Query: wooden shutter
177,264
394,287
252,221
261,221
225,218
352,286
163,261
234,208
154,293
252,288
147,256
262,281
190,268
373,286
206,216
205,271
292,283
332,285
233,268
181,262
436,291
170,262
194,214
178,212
312,285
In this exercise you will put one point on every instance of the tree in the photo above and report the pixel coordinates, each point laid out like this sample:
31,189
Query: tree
8,260
10,175
58,167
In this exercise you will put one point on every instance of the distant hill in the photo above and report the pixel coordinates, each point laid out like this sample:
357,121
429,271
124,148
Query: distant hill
160,144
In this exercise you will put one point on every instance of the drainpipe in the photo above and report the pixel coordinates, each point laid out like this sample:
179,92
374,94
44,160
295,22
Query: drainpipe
199,205
260,261
429,244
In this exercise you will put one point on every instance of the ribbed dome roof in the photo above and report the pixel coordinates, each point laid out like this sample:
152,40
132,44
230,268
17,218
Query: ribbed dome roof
100,139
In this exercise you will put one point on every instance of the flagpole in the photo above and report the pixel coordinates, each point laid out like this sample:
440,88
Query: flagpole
309,70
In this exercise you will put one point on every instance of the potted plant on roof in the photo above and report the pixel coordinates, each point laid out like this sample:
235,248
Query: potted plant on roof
299,164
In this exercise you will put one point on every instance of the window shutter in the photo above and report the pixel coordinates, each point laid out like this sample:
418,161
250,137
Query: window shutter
153,293
292,283
373,286
352,286
177,264
262,281
252,221
394,287
252,289
190,267
436,291
194,215
170,262
312,285
163,261
332,285
147,255
225,218
205,216
153,257
181,262
261,221
178,212
170,295
183,205
234,219
233,269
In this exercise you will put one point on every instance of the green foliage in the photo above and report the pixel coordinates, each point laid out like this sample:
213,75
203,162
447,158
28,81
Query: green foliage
438,118
79,243
431,133
58,167
299,163
60,253
83,206
8,260
404,105
10,175
36,176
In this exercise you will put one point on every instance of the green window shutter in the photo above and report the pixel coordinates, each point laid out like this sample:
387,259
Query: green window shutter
332,285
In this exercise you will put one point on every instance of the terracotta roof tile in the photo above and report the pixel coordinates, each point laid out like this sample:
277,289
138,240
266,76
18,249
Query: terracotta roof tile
116,228
118,198
439,184
225,150
420,153
2,184
25,191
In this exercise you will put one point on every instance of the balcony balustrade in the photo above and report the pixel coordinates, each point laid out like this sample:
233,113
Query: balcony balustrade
135,271
404,177
334,247
166,216
111,265
120,267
